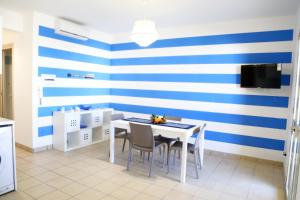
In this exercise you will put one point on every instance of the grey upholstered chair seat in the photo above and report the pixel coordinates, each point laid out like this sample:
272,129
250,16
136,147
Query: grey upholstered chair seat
146,149
121,133
178,146
165,139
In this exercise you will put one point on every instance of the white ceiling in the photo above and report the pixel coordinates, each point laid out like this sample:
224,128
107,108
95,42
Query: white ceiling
116,16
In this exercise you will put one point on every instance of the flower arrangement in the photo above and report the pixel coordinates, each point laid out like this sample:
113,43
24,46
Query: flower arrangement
157,119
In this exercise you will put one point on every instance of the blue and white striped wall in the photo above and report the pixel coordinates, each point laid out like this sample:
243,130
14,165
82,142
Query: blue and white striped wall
61,55
196,78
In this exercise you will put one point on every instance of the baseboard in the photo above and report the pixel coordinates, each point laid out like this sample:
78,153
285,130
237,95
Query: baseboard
230,155
44,148
24,147
34,150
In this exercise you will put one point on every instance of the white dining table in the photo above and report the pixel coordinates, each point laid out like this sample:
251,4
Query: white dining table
182,134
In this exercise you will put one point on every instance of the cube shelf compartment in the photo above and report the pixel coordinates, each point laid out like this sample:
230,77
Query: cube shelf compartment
76,129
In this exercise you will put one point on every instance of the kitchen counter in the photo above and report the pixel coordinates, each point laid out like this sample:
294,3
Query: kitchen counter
4,121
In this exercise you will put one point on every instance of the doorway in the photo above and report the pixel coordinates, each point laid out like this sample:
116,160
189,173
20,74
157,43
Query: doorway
293,141
6,98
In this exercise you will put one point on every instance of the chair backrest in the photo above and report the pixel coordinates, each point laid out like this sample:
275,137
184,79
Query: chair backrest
173,118
141,135
200,132
117,116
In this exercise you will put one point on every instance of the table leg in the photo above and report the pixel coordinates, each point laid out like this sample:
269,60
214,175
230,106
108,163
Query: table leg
183,160
201,148
112,144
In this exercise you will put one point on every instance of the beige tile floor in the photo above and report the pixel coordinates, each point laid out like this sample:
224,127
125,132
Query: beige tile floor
86,174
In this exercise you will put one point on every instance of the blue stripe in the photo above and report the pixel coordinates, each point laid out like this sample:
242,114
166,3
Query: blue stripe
265,143
59,92
245,58
45,131
285,79
48,111
257,121
67,55
63,73
258,100
252,37
50,33
188,78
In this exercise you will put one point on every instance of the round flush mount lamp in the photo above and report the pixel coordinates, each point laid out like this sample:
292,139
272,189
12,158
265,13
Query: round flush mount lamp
144,32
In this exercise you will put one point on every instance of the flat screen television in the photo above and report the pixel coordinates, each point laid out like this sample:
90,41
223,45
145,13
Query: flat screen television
261,76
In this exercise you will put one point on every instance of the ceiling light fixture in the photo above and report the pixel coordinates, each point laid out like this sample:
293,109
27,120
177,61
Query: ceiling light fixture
144,32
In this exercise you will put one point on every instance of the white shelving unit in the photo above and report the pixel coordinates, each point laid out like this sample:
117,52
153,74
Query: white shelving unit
76,129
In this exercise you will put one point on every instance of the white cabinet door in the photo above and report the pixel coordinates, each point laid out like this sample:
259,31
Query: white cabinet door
292,162
72,122
6,159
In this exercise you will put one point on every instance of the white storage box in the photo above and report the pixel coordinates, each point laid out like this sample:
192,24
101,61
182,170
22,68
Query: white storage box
85,136
105,132
97,118
72,121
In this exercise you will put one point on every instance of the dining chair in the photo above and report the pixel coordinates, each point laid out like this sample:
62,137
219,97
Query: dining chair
168,141
142,139
119,132
193,148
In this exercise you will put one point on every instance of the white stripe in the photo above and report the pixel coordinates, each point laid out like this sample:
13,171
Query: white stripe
167,86
262,111
72,47
200,87
177,69
188,69
180,69
77,83
262,153
71,65
228,128
267,47
74,100
232,27
45,121
162,86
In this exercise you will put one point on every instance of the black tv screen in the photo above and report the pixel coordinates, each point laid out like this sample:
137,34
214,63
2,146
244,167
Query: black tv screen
248,76
261,76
